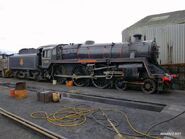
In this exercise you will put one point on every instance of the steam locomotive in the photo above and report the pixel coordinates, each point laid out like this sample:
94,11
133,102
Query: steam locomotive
103,65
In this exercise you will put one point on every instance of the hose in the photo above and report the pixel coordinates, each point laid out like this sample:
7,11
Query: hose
77,115
66,117
124,115
162,122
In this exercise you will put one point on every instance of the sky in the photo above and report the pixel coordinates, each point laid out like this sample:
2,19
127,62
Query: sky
33,23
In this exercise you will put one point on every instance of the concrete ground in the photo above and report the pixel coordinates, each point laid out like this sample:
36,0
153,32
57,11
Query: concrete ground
141,119
9,130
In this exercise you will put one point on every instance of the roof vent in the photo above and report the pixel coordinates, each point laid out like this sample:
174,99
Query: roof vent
159,18
89,42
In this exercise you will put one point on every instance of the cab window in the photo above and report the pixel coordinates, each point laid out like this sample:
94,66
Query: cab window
46,54
54,52
43,53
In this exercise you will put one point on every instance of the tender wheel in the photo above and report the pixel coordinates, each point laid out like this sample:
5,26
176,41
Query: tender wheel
21,75
120,85
149,86
101,82
80,71
38,76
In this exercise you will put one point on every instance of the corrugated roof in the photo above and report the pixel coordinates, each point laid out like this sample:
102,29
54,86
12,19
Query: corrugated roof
177,17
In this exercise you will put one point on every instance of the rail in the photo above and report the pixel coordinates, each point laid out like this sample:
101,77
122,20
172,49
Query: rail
30,125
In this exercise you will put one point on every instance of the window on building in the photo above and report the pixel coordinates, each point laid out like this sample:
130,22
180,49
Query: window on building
170,53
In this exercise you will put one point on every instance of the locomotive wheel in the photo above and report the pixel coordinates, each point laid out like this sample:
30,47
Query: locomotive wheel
20,75
149,86
59,70
101,82
37,76
120,85
80,70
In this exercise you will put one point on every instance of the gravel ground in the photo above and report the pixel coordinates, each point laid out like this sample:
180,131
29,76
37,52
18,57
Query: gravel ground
141,119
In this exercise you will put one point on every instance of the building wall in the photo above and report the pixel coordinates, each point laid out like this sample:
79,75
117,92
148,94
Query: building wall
170,38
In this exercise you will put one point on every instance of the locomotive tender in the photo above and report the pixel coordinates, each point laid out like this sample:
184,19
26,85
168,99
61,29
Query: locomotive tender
103,65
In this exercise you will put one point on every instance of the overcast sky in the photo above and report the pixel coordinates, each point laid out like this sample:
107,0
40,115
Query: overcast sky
32,23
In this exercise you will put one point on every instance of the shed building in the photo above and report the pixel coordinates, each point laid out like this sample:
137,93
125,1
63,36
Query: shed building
169,31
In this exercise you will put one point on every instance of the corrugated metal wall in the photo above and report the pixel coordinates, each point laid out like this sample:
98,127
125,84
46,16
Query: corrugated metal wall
170,38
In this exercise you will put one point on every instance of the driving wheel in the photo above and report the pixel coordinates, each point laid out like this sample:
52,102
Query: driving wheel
101,82
80,70
149,86
120,85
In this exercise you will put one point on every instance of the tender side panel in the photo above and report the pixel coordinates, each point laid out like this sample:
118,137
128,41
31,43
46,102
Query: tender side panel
24,62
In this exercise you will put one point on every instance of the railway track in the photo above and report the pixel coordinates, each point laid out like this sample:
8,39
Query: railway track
29,125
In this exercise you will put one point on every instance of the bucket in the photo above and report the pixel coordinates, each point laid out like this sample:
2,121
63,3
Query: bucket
54,82
69,83
12,92
20,93
56,97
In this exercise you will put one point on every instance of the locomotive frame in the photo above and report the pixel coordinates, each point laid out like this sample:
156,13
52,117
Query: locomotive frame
153,81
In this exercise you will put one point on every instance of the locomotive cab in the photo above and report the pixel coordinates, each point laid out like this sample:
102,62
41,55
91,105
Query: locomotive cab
46,55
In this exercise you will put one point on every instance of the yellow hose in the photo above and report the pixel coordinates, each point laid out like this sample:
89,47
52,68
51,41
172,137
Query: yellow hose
73,116
135,130
68,117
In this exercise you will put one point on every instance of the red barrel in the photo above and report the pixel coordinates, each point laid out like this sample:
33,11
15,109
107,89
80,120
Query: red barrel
12,92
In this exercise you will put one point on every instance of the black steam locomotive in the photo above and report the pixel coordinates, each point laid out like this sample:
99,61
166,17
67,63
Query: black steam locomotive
103,65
